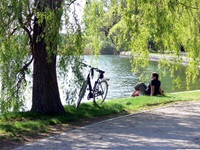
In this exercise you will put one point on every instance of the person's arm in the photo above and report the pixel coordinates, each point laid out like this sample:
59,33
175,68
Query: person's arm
152,90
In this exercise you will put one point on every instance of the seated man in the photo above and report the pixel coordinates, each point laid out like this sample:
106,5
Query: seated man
152,89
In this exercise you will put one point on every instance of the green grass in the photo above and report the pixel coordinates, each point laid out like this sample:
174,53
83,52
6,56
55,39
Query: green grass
14,126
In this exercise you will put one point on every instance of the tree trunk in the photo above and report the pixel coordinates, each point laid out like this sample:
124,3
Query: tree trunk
45,97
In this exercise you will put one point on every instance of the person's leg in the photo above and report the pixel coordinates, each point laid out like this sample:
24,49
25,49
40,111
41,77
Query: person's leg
139,88
143,88
135,93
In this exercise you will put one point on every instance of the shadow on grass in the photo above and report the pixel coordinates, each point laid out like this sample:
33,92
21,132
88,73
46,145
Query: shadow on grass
26,123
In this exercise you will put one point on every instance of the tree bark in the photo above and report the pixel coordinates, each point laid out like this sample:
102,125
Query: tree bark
45,98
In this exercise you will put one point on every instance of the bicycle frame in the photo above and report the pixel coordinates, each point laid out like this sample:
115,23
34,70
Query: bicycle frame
91,72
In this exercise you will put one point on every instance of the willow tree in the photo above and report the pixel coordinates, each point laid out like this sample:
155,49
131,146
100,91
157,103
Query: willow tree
29,34
169,23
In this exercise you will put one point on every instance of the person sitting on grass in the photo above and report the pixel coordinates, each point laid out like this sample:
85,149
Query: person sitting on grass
154,87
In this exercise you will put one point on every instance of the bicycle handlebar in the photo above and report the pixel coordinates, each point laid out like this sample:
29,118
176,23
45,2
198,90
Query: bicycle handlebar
98,70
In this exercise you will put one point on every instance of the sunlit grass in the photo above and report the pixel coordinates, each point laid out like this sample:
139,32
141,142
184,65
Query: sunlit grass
13,126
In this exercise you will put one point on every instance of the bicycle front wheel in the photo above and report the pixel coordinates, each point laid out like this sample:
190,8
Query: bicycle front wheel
100,92
81,93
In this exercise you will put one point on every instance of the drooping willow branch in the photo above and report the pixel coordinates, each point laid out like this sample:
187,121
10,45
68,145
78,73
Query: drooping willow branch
21,75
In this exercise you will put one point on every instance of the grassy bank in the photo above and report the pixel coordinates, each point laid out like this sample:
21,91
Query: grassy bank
19,126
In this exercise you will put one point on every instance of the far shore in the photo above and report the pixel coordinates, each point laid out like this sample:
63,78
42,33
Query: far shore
158,56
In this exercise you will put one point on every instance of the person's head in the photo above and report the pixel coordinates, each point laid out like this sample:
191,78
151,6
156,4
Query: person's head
155,76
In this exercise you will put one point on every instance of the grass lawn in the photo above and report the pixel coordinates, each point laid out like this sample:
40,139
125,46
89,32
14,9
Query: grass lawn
19,126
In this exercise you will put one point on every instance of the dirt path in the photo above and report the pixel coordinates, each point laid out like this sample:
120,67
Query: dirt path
171,127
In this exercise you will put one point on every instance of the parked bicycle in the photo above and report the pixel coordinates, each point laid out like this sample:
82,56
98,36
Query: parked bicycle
98,92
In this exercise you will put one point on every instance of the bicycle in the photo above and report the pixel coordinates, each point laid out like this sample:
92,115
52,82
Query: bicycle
99,90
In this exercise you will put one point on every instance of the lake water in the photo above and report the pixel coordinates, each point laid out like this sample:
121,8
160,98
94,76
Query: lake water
122,80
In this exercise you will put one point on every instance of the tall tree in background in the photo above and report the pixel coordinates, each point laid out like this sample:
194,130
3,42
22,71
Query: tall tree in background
102,19
29,32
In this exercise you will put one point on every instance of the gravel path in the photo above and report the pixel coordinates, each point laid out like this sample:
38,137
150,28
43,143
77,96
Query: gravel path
166,128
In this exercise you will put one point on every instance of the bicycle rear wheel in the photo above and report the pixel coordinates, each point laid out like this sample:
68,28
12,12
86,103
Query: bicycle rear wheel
100,92
81,93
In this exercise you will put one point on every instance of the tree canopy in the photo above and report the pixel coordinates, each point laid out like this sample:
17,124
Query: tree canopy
169,24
